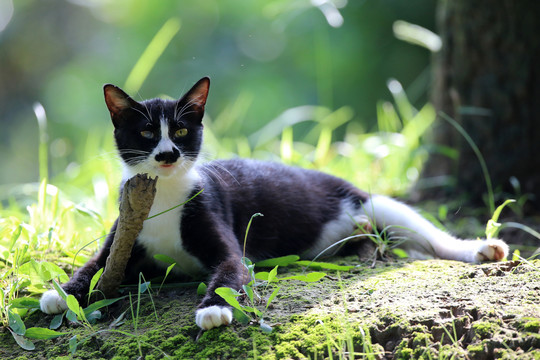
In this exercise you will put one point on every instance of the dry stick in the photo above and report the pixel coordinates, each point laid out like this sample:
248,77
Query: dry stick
137,198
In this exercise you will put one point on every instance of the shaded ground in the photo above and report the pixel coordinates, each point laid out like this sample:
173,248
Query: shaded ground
405,309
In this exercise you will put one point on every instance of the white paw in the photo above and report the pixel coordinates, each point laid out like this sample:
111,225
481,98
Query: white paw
52,303
213,316
492,250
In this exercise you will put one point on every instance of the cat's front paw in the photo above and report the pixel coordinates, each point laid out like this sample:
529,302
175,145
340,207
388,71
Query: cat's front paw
213,316
492,250
52,303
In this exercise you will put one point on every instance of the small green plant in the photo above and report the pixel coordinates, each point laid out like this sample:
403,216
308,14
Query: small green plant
481,160
263,280
493,226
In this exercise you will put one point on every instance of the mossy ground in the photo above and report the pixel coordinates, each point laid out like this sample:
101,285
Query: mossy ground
403,310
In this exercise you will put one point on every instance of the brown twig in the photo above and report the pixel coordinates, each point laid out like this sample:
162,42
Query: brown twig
136,201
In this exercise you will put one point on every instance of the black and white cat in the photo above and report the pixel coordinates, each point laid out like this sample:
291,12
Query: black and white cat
305,211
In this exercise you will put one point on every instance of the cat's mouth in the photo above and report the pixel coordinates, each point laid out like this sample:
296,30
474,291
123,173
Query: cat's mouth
166,166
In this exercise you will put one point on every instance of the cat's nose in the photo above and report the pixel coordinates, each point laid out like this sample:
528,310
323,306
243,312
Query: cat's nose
168,157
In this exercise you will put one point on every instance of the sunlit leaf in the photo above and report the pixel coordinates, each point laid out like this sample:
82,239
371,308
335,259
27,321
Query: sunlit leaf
53,271
164,258
73,304
249,292
400,253
25,303
281,261
272,274
100,304
169,269
229,295
42,333
262,275
311,277
201,289
272,296
493,227
324,265
251,309
95,279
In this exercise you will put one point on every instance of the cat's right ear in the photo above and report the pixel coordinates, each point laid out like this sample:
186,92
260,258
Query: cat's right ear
118,102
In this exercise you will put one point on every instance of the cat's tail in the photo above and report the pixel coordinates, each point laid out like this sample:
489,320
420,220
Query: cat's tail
403,224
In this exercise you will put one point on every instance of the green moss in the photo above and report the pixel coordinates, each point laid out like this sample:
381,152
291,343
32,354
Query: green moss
403,313
476,351
404,353
529,324
421,339
450,352
288,351
485,329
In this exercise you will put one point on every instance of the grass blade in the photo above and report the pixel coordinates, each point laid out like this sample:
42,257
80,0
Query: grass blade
480,157
151,54
281,261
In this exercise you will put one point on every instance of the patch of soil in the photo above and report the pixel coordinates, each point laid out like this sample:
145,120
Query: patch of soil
405,309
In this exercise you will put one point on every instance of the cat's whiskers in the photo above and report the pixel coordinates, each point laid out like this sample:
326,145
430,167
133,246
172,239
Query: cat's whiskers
183,114
212,168
133,151
178,113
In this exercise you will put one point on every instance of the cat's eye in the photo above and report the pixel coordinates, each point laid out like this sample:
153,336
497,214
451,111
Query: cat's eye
147,134
180,133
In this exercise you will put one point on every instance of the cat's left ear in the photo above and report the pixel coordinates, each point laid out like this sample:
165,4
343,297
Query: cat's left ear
195,99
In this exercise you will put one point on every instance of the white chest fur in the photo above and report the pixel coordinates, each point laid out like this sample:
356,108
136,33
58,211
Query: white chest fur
162,234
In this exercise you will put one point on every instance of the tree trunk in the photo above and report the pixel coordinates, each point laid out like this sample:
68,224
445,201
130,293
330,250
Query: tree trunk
487,78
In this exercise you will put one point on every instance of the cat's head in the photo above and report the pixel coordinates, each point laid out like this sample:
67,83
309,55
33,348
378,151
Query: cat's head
158,137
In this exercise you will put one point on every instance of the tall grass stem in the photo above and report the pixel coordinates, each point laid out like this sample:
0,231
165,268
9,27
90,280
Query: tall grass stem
39,111
461,130
151,54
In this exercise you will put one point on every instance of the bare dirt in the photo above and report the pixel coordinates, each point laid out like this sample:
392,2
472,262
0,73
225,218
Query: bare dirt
402,309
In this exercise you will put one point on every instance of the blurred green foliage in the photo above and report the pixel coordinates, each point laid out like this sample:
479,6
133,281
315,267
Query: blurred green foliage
264,57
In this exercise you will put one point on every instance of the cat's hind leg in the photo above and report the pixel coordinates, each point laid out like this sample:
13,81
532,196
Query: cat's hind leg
421,235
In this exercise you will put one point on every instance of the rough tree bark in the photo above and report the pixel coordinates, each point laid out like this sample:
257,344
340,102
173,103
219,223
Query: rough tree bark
487,78
136,201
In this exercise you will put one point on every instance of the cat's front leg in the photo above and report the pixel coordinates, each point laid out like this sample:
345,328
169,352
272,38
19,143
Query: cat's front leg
52,303
214,310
